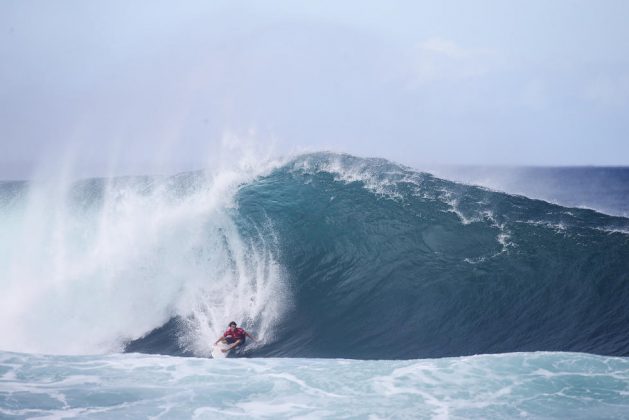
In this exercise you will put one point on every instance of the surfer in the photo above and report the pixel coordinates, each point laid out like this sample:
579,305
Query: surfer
234,336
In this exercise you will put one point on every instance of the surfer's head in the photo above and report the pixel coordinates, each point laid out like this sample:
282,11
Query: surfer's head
232,324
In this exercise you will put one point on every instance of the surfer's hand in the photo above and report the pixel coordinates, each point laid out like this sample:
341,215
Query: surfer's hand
224,350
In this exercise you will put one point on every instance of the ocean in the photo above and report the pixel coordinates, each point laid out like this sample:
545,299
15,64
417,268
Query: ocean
375,290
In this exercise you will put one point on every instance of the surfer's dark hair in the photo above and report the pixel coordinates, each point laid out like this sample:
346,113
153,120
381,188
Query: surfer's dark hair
232,323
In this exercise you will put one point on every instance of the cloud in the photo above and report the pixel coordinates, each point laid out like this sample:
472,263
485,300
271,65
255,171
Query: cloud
438,59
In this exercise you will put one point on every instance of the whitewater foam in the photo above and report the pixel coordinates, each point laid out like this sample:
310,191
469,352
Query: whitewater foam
538,385
83,258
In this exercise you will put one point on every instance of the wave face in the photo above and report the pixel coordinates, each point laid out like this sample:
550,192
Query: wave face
535,385
385,262
324,256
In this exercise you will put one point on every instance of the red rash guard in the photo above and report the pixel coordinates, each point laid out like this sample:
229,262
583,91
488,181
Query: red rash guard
237,334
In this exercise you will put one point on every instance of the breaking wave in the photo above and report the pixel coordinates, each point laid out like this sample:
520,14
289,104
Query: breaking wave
325,255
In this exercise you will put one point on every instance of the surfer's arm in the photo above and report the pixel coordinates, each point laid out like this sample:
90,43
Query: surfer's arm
233,346
220,339
250,336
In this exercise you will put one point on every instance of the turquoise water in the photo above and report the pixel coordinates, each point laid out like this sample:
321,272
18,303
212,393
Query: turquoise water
516,385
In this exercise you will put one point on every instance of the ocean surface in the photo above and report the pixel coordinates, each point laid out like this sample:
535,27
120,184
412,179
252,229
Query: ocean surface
373,289
514,385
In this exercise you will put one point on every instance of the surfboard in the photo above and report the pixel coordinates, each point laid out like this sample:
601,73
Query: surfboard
217,352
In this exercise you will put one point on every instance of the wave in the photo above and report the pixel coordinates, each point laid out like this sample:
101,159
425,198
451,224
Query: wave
325,255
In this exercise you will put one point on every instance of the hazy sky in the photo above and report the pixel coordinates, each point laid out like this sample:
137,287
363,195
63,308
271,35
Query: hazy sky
153,85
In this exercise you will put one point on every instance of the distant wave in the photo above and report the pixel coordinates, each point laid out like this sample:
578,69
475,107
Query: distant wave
326,255
604,189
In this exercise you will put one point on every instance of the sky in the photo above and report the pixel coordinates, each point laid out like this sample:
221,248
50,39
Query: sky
154,86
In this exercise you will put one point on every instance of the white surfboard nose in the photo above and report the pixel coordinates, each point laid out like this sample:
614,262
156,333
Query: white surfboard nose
217,351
